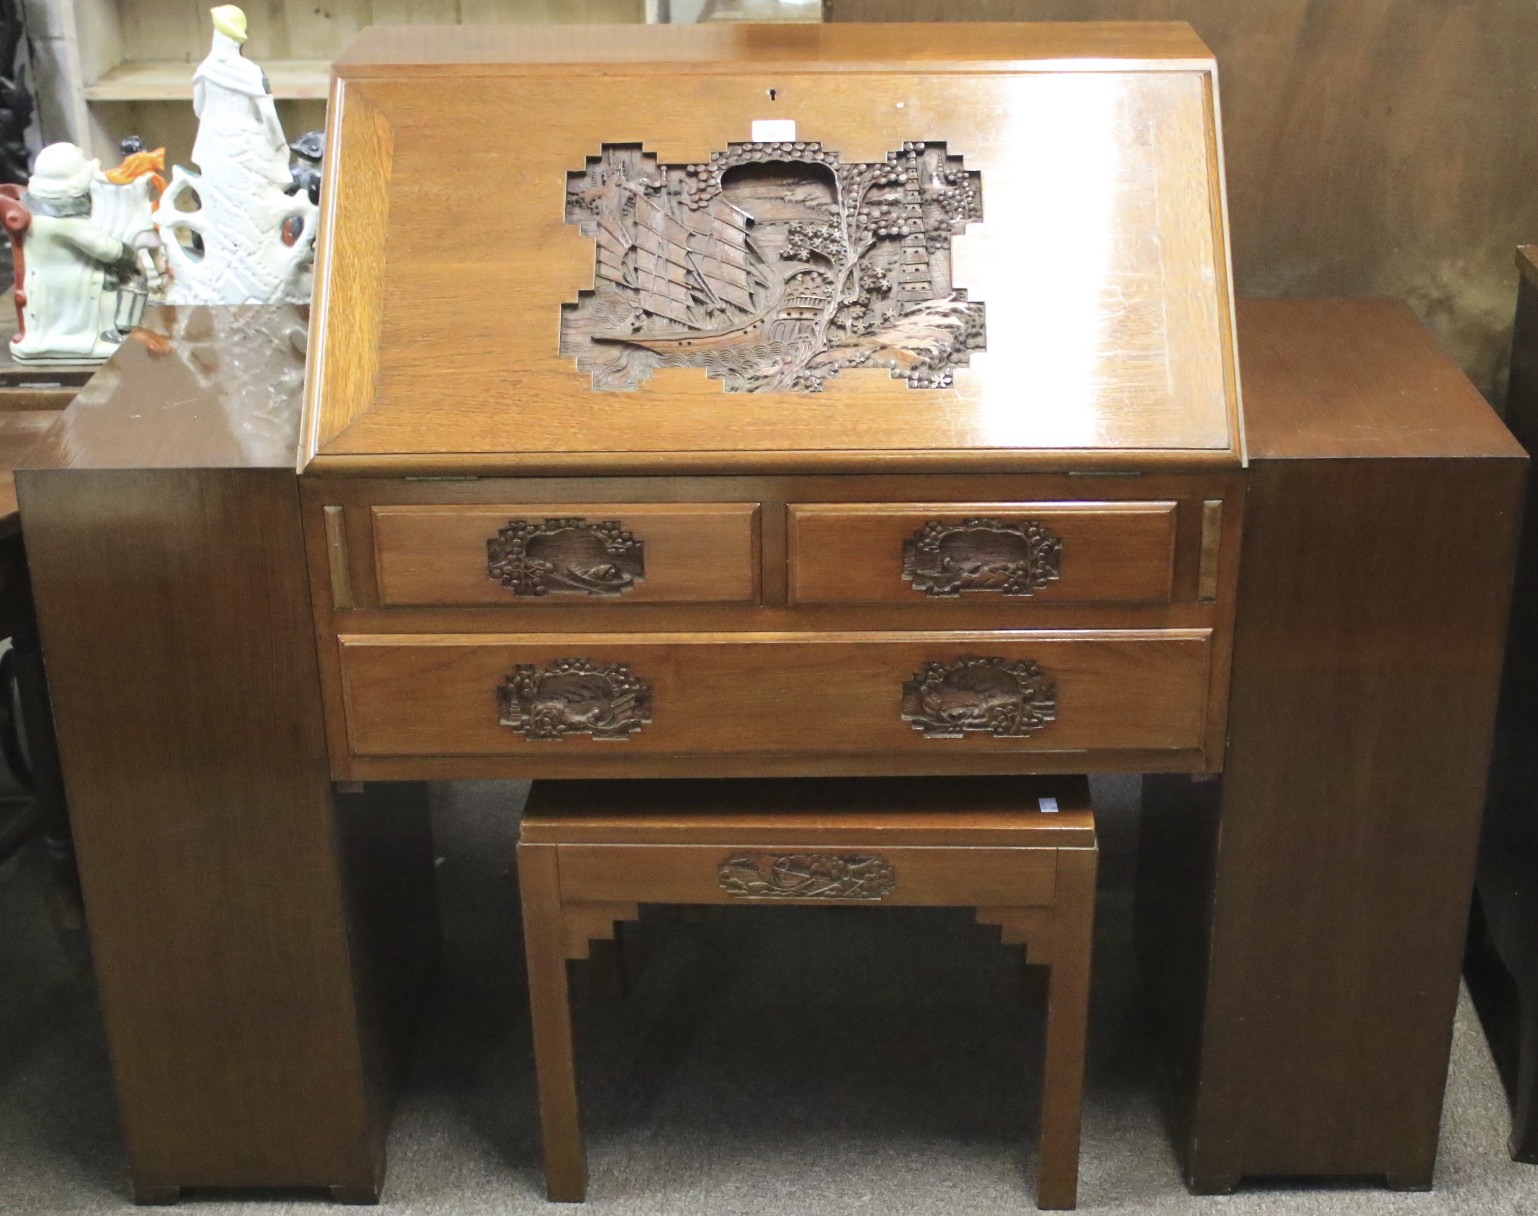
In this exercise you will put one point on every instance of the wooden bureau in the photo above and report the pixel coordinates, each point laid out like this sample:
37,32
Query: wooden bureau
642,436
737,518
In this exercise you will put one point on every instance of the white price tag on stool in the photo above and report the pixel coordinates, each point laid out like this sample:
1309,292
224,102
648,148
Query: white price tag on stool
1048,805
774,130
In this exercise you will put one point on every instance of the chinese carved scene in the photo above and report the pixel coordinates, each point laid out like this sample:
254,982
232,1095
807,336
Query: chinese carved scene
773,266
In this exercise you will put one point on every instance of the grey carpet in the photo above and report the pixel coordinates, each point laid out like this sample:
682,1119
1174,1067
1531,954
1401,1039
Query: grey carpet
810,1060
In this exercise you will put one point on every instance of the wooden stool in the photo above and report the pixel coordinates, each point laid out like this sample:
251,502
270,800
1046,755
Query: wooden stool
590,852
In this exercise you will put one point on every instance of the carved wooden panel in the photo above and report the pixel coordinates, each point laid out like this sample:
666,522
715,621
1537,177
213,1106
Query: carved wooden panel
565,555
982,555
807,876
1010,700
574,697
772,266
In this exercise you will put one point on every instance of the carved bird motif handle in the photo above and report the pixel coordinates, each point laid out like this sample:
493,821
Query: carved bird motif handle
948,558
1008,699
565,557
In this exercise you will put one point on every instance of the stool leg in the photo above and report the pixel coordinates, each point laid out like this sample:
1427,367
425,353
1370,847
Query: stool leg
1057,1180
544,939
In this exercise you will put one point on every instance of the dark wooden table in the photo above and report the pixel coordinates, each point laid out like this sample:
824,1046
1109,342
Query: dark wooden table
261,937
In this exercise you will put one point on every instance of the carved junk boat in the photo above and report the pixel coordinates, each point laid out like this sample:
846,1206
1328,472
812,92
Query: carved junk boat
704,278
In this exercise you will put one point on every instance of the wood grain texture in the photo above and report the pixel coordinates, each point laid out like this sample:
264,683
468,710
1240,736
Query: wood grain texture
724,695
855,554
1325,938
1378,148
404,324
692,551
258,941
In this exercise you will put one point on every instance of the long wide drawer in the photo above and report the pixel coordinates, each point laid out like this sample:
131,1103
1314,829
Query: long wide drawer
1047,551
648,552
498,695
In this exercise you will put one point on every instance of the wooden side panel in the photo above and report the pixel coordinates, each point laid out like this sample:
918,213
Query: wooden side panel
875,553
723,694
349,257
1372,609
252,1001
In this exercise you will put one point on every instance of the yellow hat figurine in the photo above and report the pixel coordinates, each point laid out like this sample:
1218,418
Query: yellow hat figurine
230,20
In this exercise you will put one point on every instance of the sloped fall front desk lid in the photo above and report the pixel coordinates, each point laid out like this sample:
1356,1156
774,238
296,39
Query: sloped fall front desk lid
725,247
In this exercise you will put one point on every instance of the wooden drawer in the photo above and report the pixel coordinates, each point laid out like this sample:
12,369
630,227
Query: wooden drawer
1046,551
722,694
532,553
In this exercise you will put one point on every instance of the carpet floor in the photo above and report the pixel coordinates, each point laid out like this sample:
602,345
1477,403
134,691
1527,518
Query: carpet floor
830,1060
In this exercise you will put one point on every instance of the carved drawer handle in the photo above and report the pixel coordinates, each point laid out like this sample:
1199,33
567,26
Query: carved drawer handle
574,697
570,556
1009,699
807,876
982,555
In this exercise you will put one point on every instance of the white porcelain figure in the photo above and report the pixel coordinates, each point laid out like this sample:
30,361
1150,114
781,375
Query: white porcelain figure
72,265
232,234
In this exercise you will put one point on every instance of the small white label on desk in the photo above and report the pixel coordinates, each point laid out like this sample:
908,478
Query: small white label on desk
1048,805
774,130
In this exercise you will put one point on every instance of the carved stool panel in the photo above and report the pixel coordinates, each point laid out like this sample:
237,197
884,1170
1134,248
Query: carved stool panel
1022,852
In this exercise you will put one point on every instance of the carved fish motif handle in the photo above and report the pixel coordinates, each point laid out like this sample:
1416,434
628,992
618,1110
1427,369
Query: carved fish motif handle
1008,699
574,697
948,558
565,556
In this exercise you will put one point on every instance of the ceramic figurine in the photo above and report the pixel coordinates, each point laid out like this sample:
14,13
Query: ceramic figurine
71,272
242,238
123,203
308,150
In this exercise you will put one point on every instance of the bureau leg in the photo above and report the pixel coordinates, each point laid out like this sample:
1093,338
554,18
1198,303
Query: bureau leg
544,937
1057,1184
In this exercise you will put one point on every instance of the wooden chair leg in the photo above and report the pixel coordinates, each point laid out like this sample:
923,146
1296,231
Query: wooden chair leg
1057,1181
544,936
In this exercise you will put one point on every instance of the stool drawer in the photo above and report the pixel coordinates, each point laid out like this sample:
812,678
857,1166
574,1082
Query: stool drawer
814,874
1046,551
520,554
681,694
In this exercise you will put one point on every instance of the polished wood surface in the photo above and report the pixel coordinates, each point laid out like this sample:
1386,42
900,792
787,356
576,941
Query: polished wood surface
853,554
590,853
715,696
259,941
996,810
1101,258
692,552
1372,148
1303,915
